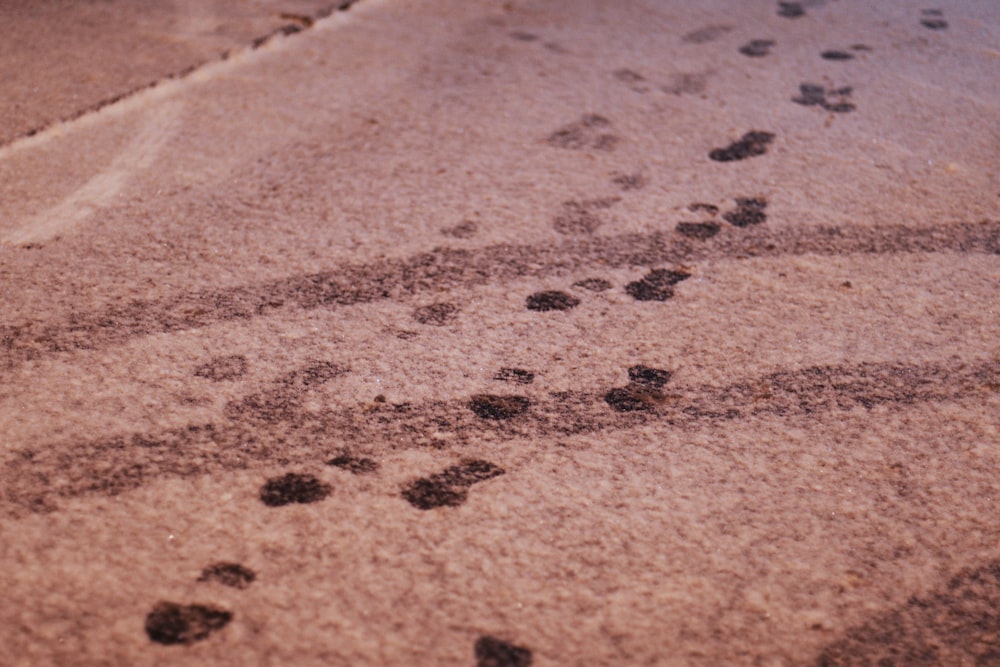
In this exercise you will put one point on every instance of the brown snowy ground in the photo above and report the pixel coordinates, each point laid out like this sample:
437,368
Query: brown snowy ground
561,332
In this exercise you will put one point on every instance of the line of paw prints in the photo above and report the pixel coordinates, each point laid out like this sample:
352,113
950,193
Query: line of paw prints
814,94
449,488
581,217
932,19
655,285
170,623
678,83
592,132
810,94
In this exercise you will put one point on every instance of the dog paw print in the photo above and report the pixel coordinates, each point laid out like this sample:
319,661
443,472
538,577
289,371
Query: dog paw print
530,37
813,94
591,131
283,399
687,83
757,48
293,488
171,623
551,300
703,230
791,10
449,488
515,375
629,182
593,284
700,231
492,652
463,230
836,55
521,36
710,209
233,575
709,33
642,393
748,211
632,79
436,314
581,217
356,465
751,144
222,368
498,408
933,19
657,285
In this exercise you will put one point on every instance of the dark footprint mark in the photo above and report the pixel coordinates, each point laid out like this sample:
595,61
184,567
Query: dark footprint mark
957,624
649,376
593,284
933,19
791,10
687,83
813,94
233,575
284,397
626,75
490,406
707,34
448,488
436,314
628,182
633,398
657,285
749,211
698,230
642,393
223,368
837,55
523,36
425,494
493,652
172,623
293,488
588,132
515,375
751,144
576,219
463,230
711,209
632,79
757,48
810,94
579,217
551,300
356,465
